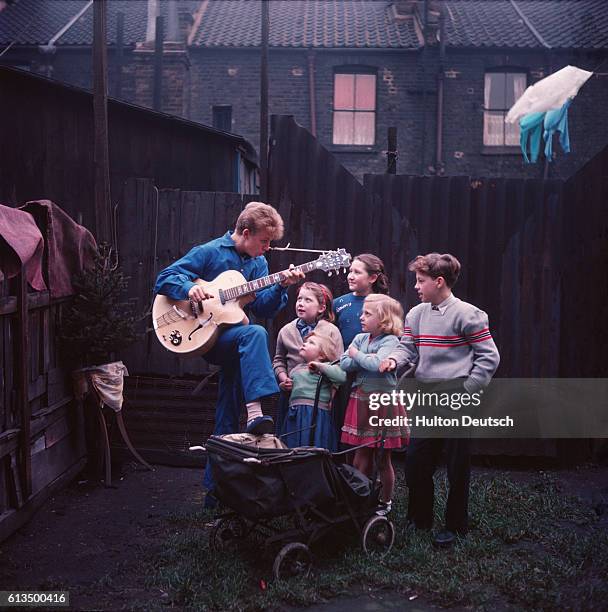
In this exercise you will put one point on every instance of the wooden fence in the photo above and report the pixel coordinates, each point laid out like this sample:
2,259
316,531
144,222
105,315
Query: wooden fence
156,227
527,246
41,433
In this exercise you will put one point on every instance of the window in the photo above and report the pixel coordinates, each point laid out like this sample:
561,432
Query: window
354,109
502,90
222,118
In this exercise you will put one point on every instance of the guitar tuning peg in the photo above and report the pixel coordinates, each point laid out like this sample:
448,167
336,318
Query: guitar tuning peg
344,270
329,273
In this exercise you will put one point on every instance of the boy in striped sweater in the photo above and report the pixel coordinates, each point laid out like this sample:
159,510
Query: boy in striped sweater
450,340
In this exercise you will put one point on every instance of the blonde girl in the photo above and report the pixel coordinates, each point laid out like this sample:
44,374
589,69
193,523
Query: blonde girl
308,420
381,324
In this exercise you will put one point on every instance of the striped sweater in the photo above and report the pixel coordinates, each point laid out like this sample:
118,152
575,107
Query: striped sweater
451,341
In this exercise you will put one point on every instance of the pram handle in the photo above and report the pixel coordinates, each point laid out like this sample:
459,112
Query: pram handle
354,448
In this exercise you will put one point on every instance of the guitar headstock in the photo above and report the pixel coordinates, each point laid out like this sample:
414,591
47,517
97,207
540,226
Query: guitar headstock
334,260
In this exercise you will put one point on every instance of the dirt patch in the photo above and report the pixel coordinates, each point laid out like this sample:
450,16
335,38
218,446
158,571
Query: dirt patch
92,540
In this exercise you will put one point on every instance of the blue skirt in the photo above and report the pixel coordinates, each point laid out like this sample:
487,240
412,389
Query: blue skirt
298,423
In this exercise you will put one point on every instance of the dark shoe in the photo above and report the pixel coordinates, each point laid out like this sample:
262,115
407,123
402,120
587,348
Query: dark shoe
260,425
445,539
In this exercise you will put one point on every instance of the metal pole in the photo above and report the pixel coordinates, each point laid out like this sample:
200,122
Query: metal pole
439,170
264,103
391,153
103,216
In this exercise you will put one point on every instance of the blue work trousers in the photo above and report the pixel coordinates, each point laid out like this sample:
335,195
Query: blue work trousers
242,353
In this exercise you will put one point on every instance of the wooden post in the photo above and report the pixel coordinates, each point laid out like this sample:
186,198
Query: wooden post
24,403
264,104
391,153
158,65
103,215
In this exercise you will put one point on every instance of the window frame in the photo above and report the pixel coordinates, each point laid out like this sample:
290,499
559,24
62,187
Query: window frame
353,69
502,147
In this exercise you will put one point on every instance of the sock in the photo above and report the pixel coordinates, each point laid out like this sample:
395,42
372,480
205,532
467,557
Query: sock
254,410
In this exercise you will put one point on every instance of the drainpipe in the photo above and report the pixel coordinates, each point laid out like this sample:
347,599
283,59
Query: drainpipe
439,166
312,93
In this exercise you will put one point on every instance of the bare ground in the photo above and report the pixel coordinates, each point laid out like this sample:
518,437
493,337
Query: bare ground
93,541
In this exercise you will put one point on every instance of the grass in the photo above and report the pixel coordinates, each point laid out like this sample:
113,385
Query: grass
529,547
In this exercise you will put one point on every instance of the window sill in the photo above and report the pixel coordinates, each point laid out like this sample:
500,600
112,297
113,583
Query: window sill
353,148
501,151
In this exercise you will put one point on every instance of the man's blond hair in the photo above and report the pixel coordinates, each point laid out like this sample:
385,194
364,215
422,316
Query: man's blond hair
258,216
389,311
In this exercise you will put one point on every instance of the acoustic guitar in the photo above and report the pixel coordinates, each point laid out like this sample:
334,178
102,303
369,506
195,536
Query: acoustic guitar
189,328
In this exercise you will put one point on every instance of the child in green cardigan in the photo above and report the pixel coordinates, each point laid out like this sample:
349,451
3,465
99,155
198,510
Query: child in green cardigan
302,427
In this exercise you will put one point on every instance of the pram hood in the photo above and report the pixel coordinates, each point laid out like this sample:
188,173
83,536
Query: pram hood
260,482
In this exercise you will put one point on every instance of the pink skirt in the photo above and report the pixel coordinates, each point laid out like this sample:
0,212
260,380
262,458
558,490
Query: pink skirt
363,425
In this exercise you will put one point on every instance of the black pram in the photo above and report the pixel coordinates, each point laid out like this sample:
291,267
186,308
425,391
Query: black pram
259,480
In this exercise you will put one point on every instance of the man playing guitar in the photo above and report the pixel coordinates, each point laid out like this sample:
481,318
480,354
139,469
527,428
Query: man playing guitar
241,350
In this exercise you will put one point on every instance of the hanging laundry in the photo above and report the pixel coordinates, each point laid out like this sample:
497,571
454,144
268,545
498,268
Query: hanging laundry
531,129
550,93
557,121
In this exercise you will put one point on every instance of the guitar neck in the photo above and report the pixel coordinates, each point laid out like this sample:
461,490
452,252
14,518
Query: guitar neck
234,293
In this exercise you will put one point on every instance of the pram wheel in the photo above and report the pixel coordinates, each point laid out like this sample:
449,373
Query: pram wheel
378,536
226,532
293,559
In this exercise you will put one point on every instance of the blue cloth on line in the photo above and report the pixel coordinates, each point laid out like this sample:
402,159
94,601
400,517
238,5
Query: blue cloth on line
557,121
531,129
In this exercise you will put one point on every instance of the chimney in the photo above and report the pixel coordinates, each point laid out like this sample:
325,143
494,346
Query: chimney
153,13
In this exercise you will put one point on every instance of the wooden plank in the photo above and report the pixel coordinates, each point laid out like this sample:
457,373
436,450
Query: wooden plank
36,300
24,405
9,441
37,387
5,363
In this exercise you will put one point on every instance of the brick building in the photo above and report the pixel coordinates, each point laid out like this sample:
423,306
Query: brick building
442,72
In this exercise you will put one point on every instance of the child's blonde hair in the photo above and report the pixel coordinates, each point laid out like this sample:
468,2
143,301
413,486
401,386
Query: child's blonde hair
256,216
328,347
389,311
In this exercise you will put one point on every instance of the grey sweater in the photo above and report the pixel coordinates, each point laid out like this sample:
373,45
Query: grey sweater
371,352
289,343
453,341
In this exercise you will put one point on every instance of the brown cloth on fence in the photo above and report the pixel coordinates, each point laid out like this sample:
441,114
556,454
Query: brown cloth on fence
21,244
70,247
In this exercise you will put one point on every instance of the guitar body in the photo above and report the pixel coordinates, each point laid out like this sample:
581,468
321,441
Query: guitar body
185,333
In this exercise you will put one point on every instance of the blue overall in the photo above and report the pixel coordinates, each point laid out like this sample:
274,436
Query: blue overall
242,350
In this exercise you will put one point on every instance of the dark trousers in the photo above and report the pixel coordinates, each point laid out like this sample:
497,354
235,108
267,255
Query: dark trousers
423,455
